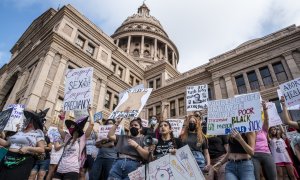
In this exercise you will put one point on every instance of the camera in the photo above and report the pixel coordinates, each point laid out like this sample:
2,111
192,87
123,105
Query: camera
149,140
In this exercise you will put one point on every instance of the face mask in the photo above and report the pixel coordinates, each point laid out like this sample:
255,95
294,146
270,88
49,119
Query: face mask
192,126
134,131
153,122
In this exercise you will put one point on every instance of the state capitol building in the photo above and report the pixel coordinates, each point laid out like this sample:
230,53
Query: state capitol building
139,52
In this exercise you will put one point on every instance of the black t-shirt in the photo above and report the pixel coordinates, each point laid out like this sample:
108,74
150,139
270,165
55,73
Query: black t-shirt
162,148
47,153
123,147
192,141
216,146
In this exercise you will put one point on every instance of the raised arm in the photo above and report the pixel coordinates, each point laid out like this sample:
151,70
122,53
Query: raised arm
112,132
248,147
91,125
286,117
266,116
61,116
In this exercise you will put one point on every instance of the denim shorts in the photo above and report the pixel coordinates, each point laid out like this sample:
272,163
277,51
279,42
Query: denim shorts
41,165
200,159
122,167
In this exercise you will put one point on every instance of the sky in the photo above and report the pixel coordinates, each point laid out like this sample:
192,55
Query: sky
201,29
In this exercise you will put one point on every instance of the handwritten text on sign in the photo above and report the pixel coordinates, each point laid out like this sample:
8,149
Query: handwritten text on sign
291,92
78,88
16,117
242,112
274,118
176,126
104,129
196,97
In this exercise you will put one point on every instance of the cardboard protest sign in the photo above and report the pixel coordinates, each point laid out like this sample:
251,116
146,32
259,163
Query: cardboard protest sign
98,116
172,167
242,112
274,118
131,103
291,92
78,89
176,126
196,97
140,86
104,129
16,118
4,118
295,107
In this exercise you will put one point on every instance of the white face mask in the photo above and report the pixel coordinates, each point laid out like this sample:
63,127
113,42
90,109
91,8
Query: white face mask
153,121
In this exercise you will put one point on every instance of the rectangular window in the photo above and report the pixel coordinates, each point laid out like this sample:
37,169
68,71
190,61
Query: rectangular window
120,72
240,83
150,84
150,113
172,109
115,102
181,106
113,67
158,83
253,81
209,93
266,76
90,49
158,110
80,41
107,99
131,79
279,71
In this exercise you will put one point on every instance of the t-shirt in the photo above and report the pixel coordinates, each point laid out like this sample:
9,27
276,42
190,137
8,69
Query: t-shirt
70,157
123,147
262,142
216,146
192,141
24,139
107,152
235,146
163,147
278,150
91,148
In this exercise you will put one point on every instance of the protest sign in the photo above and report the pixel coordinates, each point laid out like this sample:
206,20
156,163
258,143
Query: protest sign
4,118
78,114
242,112
292,138
295,107
131,103
176,126
53,134
274,118
291,92
182,165
16,117
196,97
140,86
104,129
98,116
145,123
78,89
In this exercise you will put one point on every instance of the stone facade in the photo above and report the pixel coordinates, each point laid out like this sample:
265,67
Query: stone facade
140,51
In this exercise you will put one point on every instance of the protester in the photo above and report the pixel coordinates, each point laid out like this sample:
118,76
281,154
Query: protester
22,146
42,162
287,118
167,143
262,159
130,148
106,156
73,158
194,137
91,151
280,154
55,155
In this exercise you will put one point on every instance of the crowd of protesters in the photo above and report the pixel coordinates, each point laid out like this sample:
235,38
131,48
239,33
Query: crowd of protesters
79,154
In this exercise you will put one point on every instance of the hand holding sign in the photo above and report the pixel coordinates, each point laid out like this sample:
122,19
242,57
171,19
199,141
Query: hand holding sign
236,135
62,115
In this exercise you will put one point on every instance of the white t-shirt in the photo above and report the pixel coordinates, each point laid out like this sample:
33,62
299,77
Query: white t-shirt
25,139
55,155
91,148
278,150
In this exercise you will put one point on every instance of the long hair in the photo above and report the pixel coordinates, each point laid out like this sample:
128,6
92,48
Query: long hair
171,133
277,135
200,136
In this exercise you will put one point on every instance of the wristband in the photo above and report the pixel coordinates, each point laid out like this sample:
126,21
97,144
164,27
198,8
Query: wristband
137,146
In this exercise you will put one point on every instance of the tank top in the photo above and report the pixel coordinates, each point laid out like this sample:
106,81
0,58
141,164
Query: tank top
235,146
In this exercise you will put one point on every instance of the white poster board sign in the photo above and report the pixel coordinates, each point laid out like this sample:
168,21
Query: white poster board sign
172,167
296,107
16,117
78,89
98,116
176,126
196,97
291,92
78,114
140,86
53,134
104,129
242,112
131,103
274,118
145,122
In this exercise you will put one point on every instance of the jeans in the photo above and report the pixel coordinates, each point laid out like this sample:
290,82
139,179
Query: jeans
242,170
121,169
41,165
200,159
266,162
101,168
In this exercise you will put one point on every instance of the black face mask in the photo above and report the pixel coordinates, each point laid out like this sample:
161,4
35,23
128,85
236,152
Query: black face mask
134,131
192,126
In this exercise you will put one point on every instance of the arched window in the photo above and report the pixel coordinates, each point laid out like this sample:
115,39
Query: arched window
136,52
146,53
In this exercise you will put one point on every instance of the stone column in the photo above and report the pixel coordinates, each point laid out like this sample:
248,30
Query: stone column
260,81
229,85
173,59
127,75
166,52
247,82
102,94
273,75
288,56
142,47
3,77
155,49
52,97
40,79
128,44
12,97
176,107
217,88
117,43
286,69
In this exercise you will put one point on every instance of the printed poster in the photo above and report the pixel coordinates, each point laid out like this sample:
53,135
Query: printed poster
131,103
78,89
196,97
274,118
16,117
98,116
182,165
177,125
291,92
4,118
242,112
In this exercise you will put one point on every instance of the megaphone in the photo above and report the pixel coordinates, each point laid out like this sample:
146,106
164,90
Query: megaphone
149,140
